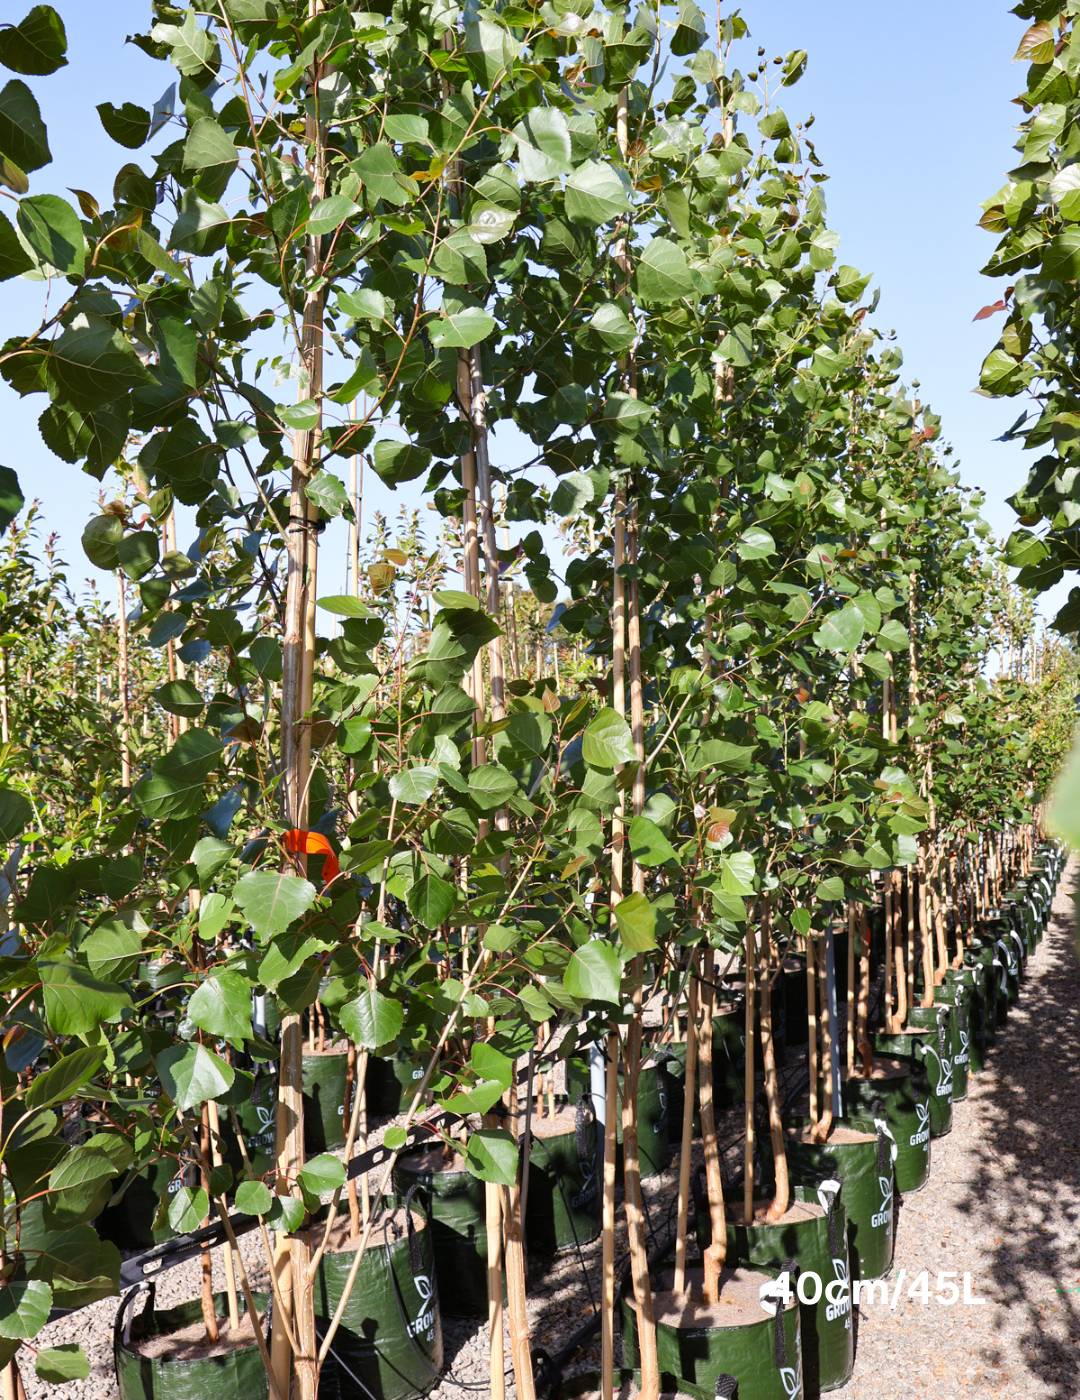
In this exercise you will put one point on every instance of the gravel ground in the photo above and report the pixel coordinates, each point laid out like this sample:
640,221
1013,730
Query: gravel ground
1002,1206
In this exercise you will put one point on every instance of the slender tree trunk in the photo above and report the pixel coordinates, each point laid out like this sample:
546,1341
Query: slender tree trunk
208,1312
122,683
686,1141
607,1220
780,1201
851,986
812,1032
824,1126
748,1079
714,1256
863,1042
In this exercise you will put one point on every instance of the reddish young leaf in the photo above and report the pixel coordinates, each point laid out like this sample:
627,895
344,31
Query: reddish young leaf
988,311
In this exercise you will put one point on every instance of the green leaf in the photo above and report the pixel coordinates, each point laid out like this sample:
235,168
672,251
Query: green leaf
192,1075
272,901
500,938
180,698
395,1138
636,922
62,1079
841,631
830,889
92,363
329,494
663,274
396,462
594,973
22,132
137,553
321,1174
15,813
216,912
14,259
756,543
113,950
372,1020
76,1002
52,230
330,214
413,786
607,740
253,1198
101,541
492,1155
491,786
893,636
65,1362
850,283
737,873
342,605
128,125
543,139
24,1309
286,1214
209,152
489,52
460,330
211,856
188,1208
648,844
177,787
36,45
383,179
79,1186
595,195
431,899
222,1006
1061,260
718,753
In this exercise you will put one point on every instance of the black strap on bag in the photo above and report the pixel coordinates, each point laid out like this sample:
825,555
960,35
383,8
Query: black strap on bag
584,1117
727,1387
124,1313
836,1247
416,1260
884,1156
780,1347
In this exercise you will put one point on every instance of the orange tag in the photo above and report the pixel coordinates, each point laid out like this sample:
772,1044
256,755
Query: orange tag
314,843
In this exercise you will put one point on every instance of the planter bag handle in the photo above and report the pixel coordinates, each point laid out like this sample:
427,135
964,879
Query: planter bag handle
942,1017
584,1117
886,1155
1007,959
727,1387
829,1196
415,1260
124,1319
774,1297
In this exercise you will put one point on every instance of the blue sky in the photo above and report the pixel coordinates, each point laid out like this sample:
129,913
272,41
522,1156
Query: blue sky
913,122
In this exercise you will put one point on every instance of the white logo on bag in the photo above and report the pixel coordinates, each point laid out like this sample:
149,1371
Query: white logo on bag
426,1321
923,1133
944,1084
884,1215
962,1057
838,1294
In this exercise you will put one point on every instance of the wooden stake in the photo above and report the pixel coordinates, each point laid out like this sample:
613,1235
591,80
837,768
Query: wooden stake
122,683
812,1032
686,1142
208,1311
493,1228
862,1041
714,1256
607,1220
780,1201
227,1251
824,1125
748,1150
851,936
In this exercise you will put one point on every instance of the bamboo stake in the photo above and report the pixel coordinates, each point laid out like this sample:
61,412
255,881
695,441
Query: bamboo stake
824,1126
778,1208
890,1024
227,1252
686,1142
812,1031
851,986
909,879
607,1220
748,1081
862,1041
347,1106
493,1229
122,683
898,953
208,1312
713,1257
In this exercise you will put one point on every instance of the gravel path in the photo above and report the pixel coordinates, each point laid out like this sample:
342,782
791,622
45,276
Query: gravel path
1002,1206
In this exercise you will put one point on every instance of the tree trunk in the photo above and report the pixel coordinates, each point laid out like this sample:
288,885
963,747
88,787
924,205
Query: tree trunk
714,1256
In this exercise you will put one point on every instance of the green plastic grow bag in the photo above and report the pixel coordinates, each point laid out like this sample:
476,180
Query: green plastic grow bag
237,1375
454,1202
819,1246
958,997
930,1053
858,1151
563,1207
389,1343
693,1354
391,1083
324,1101
908,1113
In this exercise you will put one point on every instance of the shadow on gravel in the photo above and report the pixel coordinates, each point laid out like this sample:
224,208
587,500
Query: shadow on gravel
1028,1183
